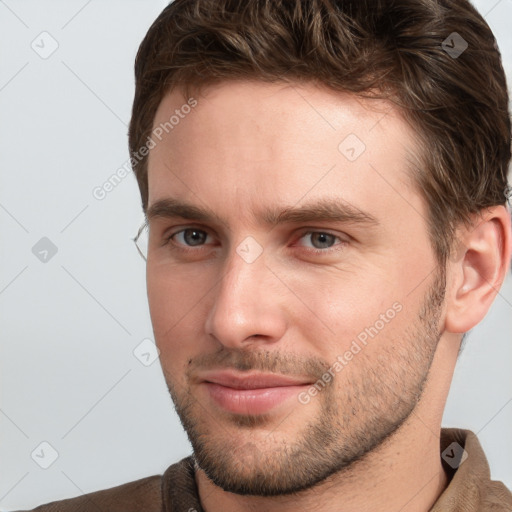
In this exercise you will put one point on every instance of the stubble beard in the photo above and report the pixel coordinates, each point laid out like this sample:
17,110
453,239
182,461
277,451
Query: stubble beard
354,418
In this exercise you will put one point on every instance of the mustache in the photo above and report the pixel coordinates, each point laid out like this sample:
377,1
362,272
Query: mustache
261,360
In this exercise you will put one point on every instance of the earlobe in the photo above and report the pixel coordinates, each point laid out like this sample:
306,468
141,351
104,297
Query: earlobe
479,270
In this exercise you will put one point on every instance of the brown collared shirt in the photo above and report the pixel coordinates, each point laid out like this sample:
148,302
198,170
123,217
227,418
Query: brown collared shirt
470,488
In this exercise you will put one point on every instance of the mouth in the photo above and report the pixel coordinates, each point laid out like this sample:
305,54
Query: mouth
253,393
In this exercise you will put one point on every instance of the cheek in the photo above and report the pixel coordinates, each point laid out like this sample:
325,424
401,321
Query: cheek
172,295
349,313
336,301
175,308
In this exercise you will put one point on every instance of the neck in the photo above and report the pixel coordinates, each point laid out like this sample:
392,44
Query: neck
403,473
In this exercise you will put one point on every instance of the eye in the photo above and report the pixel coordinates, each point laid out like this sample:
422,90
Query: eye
188,237
194,239
323,242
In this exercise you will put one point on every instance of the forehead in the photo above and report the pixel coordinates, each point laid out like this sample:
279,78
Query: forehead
244,144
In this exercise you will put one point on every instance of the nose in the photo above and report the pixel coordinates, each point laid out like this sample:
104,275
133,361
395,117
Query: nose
247,305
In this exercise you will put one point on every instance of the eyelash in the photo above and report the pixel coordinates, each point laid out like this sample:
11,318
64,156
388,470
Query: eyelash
320,252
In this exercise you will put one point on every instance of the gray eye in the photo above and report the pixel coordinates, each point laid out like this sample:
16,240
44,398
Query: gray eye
324,240
193,236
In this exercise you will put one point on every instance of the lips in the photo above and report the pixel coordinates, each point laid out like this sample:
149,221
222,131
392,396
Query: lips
252,381
253,393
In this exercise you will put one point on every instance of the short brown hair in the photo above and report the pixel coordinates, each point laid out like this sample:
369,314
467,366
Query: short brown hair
404,49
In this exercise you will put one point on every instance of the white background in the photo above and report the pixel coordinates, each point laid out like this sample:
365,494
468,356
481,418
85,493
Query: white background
69,326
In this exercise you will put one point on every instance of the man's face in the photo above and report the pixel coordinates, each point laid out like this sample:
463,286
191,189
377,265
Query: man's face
347,308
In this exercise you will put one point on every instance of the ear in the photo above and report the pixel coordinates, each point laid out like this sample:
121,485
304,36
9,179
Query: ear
478,270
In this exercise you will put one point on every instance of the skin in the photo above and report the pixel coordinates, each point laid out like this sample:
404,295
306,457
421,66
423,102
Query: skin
369,440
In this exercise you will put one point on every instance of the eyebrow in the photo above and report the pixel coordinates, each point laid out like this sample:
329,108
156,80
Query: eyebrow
334,210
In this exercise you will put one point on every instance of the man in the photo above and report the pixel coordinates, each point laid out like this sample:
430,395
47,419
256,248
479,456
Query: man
325,185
